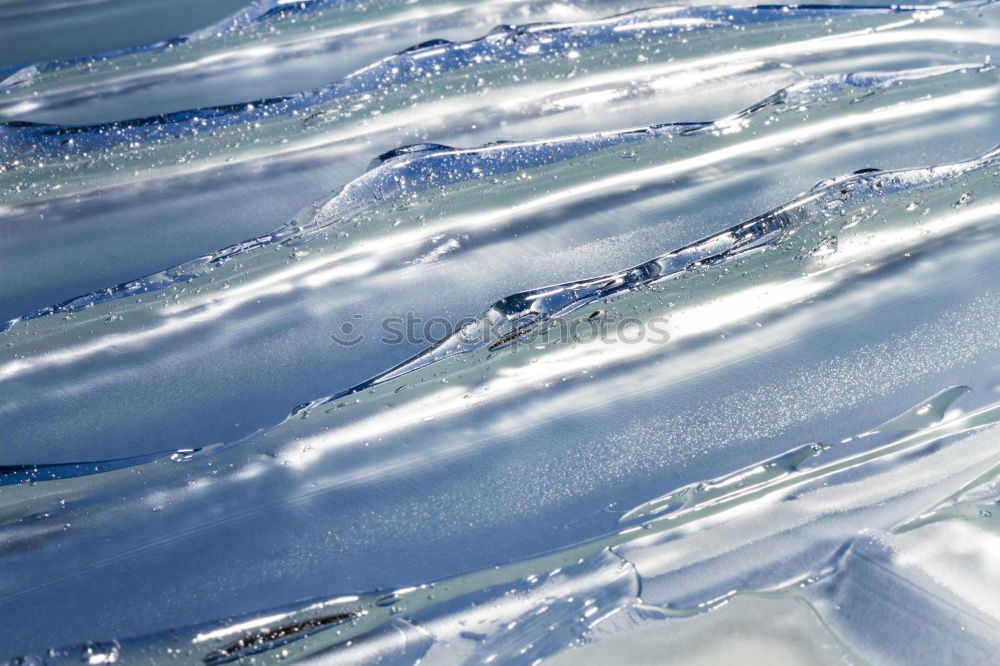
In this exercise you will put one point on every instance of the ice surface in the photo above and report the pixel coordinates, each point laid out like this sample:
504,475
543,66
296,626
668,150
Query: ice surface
598,335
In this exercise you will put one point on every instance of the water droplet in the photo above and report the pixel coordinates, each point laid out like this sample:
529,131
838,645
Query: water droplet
965,200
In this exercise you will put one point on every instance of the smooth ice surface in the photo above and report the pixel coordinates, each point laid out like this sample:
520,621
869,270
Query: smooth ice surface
607,332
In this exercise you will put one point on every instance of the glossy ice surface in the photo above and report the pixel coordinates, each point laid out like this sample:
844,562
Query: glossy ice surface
344,331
